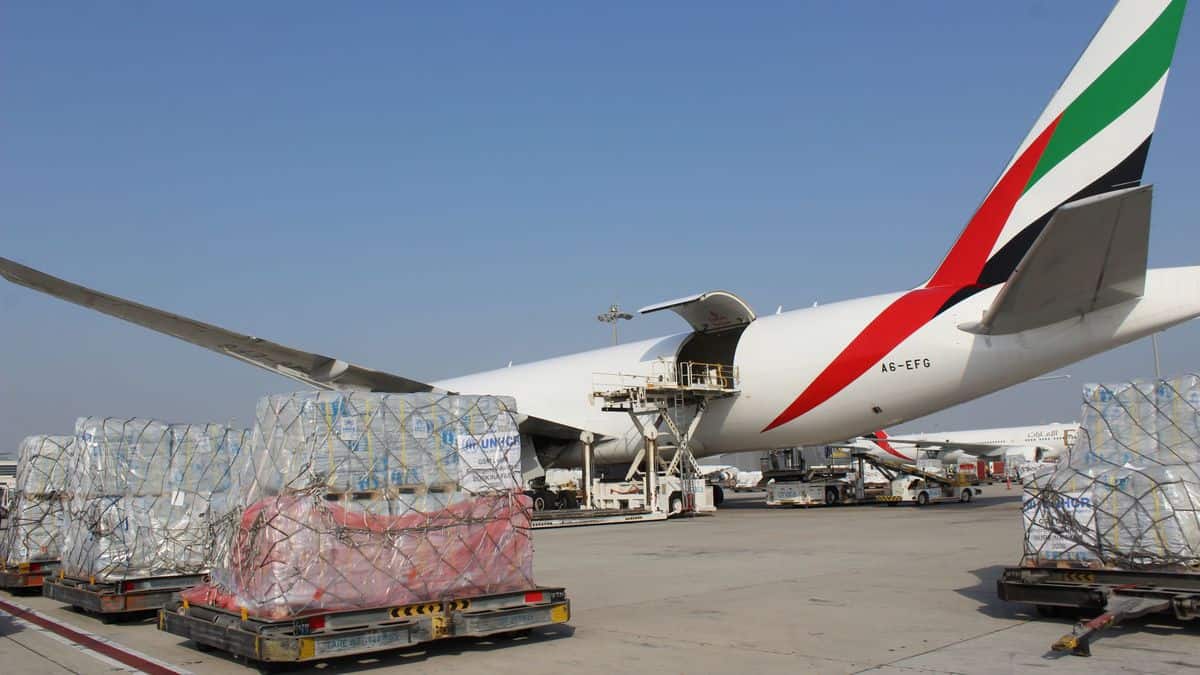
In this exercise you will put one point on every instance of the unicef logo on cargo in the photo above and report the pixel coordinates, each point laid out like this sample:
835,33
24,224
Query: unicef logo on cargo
491,442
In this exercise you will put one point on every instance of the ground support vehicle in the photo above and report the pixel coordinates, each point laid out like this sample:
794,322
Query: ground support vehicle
819,491
629,501
922,491
834,485
112,601
664,479
1116,594
27,574
324,635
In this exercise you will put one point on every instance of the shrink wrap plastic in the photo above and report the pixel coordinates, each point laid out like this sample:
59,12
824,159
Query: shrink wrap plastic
146,497
1128,497
35,508
357,500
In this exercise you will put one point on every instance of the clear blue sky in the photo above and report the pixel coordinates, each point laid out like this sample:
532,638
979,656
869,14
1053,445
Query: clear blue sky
438,189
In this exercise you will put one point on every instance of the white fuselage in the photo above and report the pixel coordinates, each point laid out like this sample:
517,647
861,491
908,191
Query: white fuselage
1040,442
937,366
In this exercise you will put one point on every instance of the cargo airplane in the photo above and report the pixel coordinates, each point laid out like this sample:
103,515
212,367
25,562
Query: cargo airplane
1050,269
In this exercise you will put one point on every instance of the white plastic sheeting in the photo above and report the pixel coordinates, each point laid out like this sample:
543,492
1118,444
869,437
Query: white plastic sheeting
146,497
1129,494
353,500
34,532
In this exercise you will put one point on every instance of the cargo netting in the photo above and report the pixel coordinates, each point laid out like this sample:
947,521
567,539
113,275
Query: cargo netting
357,500
1128,497
35,507
147,497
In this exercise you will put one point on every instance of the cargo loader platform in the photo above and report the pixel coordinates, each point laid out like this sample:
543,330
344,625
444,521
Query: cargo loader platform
324,635
27,575
1116,595
112,601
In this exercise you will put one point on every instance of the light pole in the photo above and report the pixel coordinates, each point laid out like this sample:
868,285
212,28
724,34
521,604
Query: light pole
613,315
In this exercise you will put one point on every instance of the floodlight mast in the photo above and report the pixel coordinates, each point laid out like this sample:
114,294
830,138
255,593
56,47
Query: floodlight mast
613,315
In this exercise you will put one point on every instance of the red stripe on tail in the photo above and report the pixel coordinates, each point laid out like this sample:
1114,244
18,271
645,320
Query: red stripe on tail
914,309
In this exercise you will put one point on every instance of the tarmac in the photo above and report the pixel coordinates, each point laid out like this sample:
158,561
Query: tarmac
873,589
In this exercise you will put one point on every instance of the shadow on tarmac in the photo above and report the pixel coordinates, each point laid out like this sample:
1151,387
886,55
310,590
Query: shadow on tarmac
9,625
1066,618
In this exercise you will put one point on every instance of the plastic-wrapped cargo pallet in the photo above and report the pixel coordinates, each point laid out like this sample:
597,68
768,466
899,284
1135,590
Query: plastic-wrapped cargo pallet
34,532
1129,496
356,500
146,497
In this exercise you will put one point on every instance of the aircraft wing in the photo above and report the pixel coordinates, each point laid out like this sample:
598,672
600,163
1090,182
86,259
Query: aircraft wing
1091,255
981,449
316,370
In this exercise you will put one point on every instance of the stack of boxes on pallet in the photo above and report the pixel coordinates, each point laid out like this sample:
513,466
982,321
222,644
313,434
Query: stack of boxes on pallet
36,508
360,500
146,497
1129,495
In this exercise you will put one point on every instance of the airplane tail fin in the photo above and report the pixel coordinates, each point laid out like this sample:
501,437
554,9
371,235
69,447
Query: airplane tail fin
1092,138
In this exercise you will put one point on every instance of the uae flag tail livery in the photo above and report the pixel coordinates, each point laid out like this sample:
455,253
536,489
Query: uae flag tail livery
1091,140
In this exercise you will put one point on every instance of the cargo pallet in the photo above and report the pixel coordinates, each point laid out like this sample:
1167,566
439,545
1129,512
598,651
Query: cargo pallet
324,635
117,599
1117,594
27,575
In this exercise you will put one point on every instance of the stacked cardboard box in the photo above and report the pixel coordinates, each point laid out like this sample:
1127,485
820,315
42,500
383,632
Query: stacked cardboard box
146,497
34,532
365,500
1129,495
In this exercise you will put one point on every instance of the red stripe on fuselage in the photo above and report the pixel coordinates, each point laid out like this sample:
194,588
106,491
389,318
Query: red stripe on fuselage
901,319
914,309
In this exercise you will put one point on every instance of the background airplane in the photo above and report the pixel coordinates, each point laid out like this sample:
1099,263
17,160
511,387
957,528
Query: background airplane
1037,443
1050,269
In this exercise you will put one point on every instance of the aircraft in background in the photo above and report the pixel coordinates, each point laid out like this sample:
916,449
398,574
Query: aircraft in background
1040,443
1050,269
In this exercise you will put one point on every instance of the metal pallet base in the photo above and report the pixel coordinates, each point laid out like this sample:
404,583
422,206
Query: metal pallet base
27,575
327,635
1116,594
120,597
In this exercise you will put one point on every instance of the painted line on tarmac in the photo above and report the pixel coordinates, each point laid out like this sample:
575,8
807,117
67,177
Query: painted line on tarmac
99,647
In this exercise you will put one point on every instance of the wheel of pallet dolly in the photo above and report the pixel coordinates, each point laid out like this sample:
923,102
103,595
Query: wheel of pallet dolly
539,503
675,504
922,499
831,496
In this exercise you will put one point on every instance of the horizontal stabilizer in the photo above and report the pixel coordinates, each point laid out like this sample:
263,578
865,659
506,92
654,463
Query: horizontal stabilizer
315,370
1091,255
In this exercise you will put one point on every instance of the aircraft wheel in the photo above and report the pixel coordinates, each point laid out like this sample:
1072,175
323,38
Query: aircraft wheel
967,495
718,495
923,499
831,496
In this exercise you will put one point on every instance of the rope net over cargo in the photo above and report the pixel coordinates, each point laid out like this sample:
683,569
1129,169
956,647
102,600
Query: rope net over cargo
1129,495
35,508
145,496
353,500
